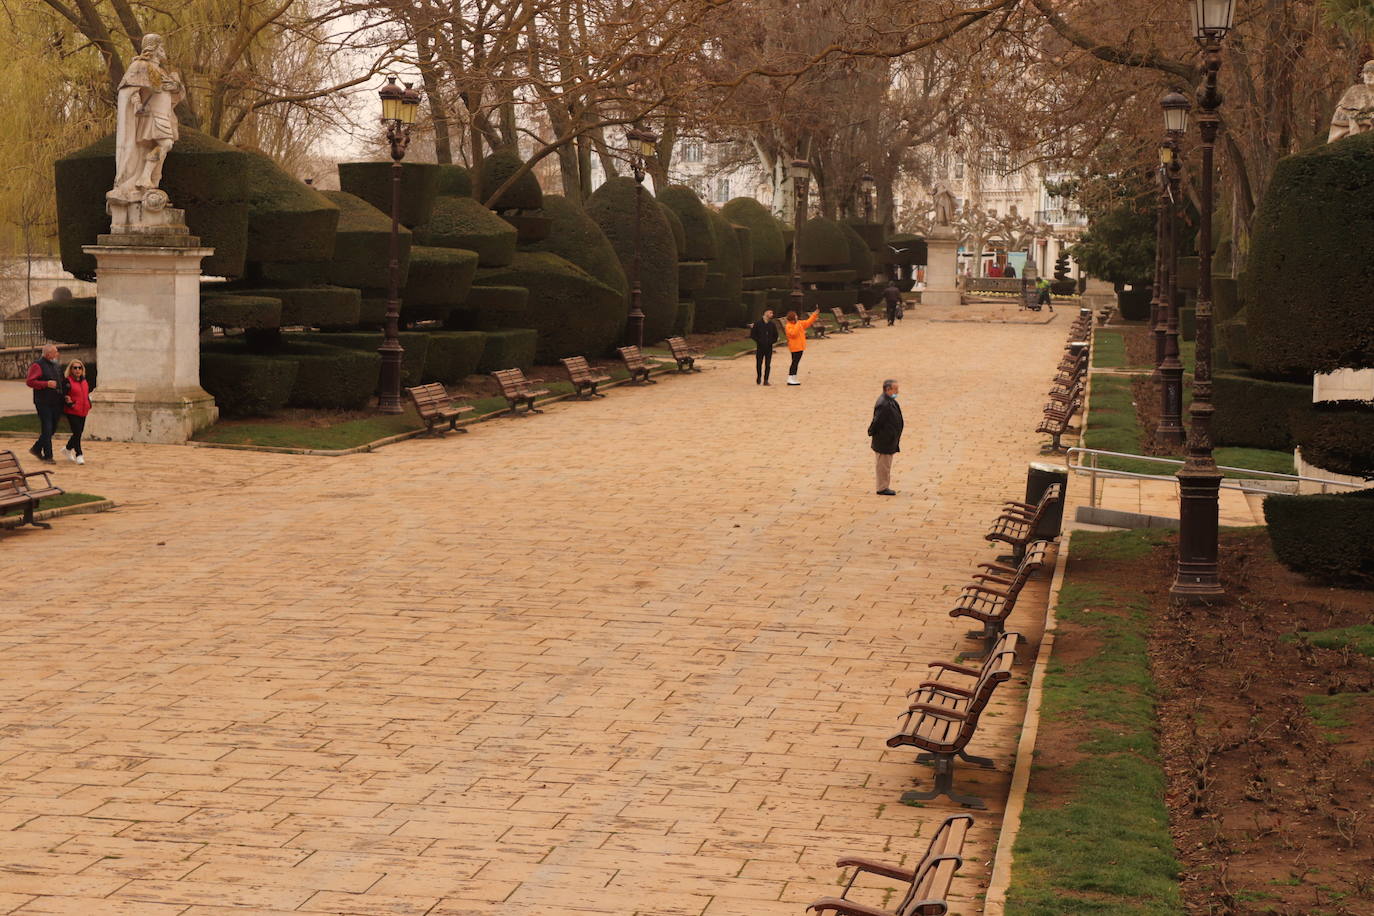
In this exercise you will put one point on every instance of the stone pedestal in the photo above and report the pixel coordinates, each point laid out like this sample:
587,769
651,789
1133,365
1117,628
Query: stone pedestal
148,337
942,268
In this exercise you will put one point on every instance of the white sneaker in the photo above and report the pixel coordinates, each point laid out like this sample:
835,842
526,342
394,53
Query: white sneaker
71,455
80,459
792,380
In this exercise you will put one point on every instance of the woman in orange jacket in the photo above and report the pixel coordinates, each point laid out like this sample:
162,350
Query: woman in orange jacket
795,329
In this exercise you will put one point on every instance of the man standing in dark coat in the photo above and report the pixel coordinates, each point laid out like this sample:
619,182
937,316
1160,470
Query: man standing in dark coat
892,297
886,430
765,334
49,397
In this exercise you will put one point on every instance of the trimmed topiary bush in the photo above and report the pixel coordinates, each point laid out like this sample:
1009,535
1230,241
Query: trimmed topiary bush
1134,303
765,234
904,250
679,233
238,311
1329,537
493,172
576,237
780,281
372,314
70,322
1309,288
696,227
1233,340
371,181
686,316
415,344
828,278
287,219
312,307
461,222
1337,436
439,278
452,181
574,313
512,348
1254,412
823,245
1225,302
745,241
860,258
718,305
246,384
453,356
612,208
827,299
332,378
529,227
362,244
691,276
202,175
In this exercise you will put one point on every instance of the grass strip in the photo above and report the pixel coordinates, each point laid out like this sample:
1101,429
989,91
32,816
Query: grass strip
1109,349
1360,638
57,502
1094,835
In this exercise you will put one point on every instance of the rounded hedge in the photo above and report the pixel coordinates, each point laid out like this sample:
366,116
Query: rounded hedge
765,234
362,244
822,244
745,241
461,222
334,378
439,278
71,322
576,237
414,343
574,313
287,219
679,233
529,227
372,182
202,175
1134,303
860,257
493,172
453,181
490,308
719,306
686,317
512,348
1337,436
691,276
1310,283
312,306
612,207
453,356
1329,536
696,224
239,311
246,384
1255,412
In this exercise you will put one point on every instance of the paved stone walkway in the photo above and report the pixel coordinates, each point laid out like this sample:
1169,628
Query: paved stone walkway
636,656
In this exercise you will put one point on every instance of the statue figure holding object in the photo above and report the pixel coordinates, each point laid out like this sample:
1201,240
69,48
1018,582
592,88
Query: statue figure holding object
145,129
1355,111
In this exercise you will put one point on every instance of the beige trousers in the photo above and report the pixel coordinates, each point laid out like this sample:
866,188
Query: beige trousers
884,467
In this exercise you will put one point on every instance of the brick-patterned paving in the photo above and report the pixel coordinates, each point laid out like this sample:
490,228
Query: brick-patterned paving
636,656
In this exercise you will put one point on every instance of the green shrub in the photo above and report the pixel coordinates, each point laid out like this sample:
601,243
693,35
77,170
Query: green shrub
333,378
490,308
246,384
1225,303
287,219
1134,303
452,181
745,241
439,278
286,273
860,257
1119,244
696,225
714,314
453,356
312,307
718,305
874,235
826,278
1187,274
778,281
1233,339
827,299
753,302
1337,436
372,313
372,182
1187,323
202,175
362,244
493,172
576,237
235,311
529,227
765,234
823,245
71,322
1310,290
679,233
414,343
612,207
461,222
686,317
512,348
1329,537
574,313
691,276
1254,412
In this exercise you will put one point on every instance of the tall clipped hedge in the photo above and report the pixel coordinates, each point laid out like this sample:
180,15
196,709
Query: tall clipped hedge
362,244
765,234
696,224
822,243
860,257
452,181
453,355
576,237
1310,284
372,182
71,322
612,207
287,219
1338,436
461,222
415,345
495,169
574,313
202,175
439,277
718,305
1329,537
246,384
679,233
512,348
1255,412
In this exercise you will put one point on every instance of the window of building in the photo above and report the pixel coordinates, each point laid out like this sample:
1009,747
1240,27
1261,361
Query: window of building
691,151
722,190
958,170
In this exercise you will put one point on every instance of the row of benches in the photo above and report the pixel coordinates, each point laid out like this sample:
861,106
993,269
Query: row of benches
435,406
943,711
1069,386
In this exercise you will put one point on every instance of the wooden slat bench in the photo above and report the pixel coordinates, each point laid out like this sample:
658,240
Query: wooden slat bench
1056,426
435,406
865,316
584,376
841,320
18,491
639,369
984,602
818,330
1017,523
685,356
518,390
927,892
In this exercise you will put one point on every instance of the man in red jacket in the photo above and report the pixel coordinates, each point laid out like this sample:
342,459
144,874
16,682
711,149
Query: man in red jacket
49,397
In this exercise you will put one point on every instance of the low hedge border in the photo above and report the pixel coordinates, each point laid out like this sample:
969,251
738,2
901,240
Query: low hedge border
1328,536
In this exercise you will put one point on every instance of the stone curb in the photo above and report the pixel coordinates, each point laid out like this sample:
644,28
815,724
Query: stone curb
99,505
995,899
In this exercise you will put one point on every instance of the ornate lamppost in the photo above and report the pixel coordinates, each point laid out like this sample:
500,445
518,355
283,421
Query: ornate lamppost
641,148
1176,106
868,184
801,177
398,114
1199,481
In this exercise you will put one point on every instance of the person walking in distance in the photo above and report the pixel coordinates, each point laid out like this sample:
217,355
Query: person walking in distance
765,334
78,406
886,432
49,397
892,298
795,329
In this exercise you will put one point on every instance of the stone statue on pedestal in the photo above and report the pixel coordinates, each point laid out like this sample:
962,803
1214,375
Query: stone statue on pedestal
145,129
945,204
1355,111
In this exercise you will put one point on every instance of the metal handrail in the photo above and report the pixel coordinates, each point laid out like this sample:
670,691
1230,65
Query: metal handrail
1093,471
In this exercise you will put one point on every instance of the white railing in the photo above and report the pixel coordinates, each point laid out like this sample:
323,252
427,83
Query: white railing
21,332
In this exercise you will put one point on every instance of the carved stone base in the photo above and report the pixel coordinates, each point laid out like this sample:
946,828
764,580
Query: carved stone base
942,267
170,417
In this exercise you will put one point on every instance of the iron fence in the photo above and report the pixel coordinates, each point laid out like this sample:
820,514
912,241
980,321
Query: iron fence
21,332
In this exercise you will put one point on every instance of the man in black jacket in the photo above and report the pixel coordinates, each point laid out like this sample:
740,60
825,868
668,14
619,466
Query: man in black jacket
886,430
892,297
49,397
765,334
